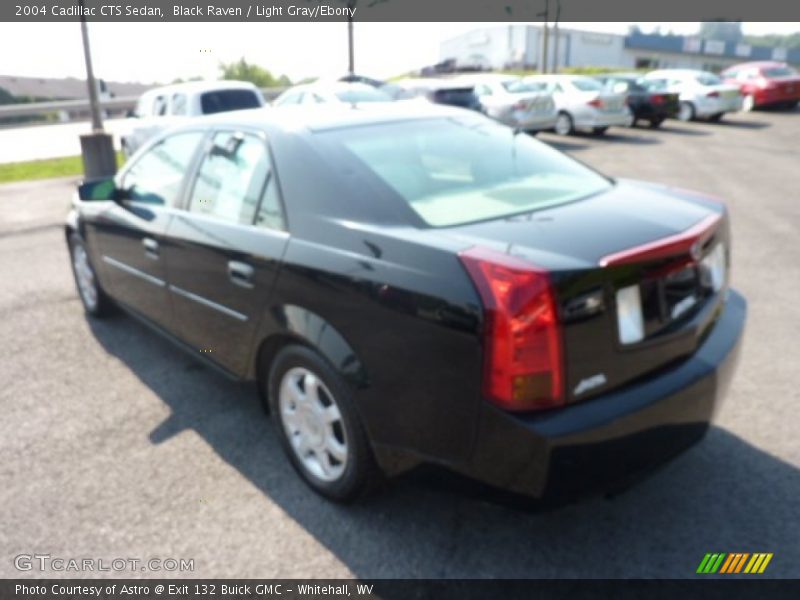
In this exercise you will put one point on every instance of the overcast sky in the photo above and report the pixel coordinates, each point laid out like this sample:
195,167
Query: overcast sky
161,52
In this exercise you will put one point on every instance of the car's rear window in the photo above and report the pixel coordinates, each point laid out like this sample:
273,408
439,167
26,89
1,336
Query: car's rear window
708,79
366,94
226,100
452,171
464,97
519,87
778,72
653,85
586,84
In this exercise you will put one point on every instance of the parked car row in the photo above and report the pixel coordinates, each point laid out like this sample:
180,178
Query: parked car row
562,103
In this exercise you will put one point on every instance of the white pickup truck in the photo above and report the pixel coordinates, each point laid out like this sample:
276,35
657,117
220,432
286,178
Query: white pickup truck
165,106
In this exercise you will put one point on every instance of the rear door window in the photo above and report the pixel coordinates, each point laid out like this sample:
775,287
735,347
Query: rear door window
231,178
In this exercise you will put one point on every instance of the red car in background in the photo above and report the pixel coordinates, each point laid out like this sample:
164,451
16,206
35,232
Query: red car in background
765,83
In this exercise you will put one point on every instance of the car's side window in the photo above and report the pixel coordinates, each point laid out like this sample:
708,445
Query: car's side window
156,177
270,212
289,99
179,104
231,178
160,106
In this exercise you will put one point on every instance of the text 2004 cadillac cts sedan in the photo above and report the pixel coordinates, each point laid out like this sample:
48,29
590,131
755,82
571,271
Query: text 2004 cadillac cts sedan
416,284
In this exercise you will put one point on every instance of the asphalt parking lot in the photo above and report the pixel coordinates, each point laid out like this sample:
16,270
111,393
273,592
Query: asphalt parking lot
115,444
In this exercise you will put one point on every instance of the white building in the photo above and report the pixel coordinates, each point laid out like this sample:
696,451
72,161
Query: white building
521,46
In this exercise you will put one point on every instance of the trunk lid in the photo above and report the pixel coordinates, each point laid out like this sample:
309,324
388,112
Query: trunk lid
600,286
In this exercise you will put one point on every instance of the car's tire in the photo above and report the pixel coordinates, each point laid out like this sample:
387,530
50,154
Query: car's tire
634,122
599,130
95,301
564,124
716,117
687,112
748,103
656,122
319,426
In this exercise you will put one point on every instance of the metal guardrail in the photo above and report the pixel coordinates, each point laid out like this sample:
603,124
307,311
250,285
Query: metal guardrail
117,104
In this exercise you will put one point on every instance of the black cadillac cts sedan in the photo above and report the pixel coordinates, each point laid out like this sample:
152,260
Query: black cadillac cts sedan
412,284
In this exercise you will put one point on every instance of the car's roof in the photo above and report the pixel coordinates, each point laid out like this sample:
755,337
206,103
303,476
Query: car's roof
485,78
198,87
555,77
676,72
331,86
330,116
431,83
758,64
621,75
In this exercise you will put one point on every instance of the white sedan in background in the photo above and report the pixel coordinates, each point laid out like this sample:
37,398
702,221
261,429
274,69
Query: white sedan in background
514,102
332,92
583,103
703,95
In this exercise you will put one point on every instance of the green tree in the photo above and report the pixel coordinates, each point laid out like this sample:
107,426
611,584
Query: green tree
775,40
259,76
725,31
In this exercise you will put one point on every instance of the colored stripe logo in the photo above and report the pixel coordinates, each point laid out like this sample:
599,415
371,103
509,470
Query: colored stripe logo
735,562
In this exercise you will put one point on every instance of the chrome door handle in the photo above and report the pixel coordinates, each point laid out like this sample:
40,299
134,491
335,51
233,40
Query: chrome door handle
241,274
150,247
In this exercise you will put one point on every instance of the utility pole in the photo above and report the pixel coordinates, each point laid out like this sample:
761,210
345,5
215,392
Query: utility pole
97,147
556,36
97,121
545,34
351,68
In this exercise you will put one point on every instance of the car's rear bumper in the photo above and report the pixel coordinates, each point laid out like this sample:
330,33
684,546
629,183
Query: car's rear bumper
599,118
649,111
603,442
777,96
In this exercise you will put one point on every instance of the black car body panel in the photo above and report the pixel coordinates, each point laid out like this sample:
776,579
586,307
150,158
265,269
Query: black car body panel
395,313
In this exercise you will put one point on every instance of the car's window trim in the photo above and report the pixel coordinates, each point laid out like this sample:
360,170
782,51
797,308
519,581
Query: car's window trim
119,178
272,173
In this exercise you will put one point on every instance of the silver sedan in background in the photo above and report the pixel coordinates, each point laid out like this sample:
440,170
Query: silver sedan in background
332,92
525,105
583,103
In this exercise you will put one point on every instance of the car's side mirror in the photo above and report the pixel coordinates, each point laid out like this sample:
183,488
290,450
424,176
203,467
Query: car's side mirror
99,189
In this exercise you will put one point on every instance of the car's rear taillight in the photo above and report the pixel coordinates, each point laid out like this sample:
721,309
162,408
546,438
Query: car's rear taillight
657,99
713,94
523,363
597,103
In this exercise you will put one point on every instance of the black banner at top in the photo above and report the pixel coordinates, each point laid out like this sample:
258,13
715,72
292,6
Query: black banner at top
397,10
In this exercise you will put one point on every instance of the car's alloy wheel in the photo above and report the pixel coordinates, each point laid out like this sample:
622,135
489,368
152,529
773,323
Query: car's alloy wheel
94,300
313,424
686,111
748,103
318,424
564,124
84,276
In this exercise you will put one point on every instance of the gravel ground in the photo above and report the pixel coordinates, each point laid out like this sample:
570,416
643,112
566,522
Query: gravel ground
115,444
